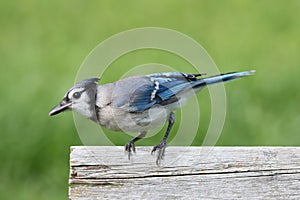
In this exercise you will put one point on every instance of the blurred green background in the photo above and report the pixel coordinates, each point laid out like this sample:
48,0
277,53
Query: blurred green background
43,43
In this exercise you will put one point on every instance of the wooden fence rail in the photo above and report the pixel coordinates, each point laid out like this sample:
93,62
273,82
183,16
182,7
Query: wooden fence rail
104,172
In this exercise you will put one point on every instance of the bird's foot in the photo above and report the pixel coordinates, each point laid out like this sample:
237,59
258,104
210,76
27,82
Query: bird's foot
129,148
161,147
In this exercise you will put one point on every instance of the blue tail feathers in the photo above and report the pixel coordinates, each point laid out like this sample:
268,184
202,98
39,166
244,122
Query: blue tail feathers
222,78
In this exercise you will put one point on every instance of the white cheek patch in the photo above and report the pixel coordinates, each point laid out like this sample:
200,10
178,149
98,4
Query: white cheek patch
83,106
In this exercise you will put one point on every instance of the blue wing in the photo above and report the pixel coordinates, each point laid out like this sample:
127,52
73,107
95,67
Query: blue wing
161,89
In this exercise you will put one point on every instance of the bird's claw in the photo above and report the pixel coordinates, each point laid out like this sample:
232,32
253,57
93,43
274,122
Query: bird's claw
161,147
129,148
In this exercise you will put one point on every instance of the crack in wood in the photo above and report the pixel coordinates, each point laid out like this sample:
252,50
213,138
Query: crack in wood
276,173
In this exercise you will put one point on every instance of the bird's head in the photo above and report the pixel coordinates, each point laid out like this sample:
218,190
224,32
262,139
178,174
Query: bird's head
80,98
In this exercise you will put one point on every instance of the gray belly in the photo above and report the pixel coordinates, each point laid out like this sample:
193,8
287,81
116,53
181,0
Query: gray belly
119,120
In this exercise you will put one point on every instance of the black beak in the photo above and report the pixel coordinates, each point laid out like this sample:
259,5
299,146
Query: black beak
60,108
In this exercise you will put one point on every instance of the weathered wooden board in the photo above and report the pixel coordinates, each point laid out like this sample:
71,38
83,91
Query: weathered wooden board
186,173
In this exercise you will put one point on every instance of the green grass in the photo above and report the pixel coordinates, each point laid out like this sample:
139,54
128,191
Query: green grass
43,43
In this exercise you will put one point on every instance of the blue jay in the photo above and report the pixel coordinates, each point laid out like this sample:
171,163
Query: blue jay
138,103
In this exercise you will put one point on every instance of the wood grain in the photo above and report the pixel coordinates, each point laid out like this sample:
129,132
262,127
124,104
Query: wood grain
186,172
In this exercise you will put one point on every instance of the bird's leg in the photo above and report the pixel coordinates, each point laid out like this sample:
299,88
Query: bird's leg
161,147
130,147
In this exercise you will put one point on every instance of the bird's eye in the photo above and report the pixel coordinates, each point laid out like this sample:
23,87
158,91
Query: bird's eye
76,95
